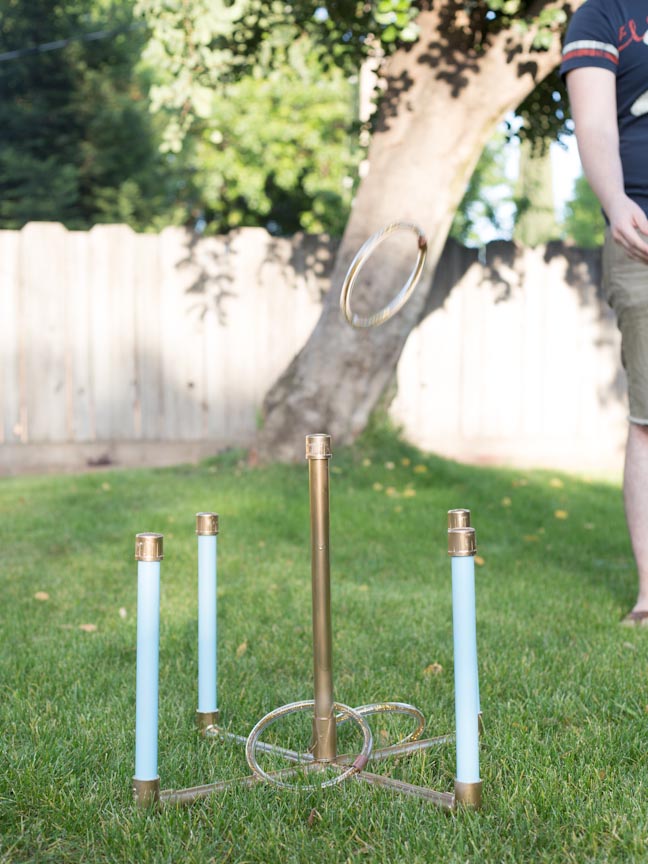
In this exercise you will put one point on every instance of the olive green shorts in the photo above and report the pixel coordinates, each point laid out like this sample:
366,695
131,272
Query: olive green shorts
625,283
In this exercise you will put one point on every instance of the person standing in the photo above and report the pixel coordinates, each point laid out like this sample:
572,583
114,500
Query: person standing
605,65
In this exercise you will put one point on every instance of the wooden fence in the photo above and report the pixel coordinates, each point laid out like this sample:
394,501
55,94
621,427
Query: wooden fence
124,348
118,347
520,366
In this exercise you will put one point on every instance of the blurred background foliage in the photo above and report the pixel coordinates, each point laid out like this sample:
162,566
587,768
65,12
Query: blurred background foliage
216,114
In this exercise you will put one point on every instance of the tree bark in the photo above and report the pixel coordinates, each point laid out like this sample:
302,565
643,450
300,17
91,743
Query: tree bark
444,98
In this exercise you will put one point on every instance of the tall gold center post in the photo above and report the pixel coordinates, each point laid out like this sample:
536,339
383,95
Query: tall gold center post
318,453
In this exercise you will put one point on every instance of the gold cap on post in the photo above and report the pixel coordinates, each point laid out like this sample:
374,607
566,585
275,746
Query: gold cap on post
461,542
206,524
318,446
207,720
459,518
148,547
469,794
146,792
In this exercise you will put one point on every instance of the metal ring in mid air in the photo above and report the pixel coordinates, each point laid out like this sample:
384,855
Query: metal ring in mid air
360,260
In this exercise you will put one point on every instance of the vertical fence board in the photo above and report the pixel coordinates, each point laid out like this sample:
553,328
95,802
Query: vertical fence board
468,345
272,337
534,327
501,387
218,294
100,332
147,335
42,261
78,301
112,330
10,430
181,339
560,385
121,242
241,363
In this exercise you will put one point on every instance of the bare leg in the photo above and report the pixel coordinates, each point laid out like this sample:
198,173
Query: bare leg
635,494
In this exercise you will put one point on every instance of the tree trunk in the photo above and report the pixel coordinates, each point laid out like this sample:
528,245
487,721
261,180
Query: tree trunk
443,100
536,224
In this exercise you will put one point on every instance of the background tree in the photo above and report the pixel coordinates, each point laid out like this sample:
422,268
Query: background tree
259,101
279,150
445,96
488,205
78,142
584,224
536,218
471,64
86,139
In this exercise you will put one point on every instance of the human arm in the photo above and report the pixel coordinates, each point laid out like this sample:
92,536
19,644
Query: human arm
592,95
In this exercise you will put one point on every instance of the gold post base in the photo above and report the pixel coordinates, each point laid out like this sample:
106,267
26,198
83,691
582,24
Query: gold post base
205,719
468,795
146,792
324,743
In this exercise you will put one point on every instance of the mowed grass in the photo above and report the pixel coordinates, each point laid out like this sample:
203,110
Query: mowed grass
564,688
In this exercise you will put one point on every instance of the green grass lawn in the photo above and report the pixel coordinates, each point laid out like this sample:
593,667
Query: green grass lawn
564,688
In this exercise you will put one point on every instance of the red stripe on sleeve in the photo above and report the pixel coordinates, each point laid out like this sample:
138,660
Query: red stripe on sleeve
591,52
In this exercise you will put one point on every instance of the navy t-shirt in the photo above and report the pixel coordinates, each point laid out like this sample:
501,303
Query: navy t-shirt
613,34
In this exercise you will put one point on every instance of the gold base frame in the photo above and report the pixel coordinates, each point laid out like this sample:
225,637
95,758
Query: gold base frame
327,714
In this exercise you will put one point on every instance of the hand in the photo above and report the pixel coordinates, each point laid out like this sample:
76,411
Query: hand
629,226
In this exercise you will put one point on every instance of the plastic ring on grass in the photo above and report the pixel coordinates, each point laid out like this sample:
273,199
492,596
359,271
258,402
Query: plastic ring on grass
294,708
360,260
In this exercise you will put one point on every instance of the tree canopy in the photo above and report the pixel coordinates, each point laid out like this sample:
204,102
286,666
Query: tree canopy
584,223
79,144
200,47
215,113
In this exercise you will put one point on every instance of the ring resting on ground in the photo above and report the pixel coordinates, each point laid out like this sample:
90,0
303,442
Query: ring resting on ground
345,713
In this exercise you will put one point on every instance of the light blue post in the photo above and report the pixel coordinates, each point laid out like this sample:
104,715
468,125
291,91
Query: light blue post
462,548
461,519
207,531
148,552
